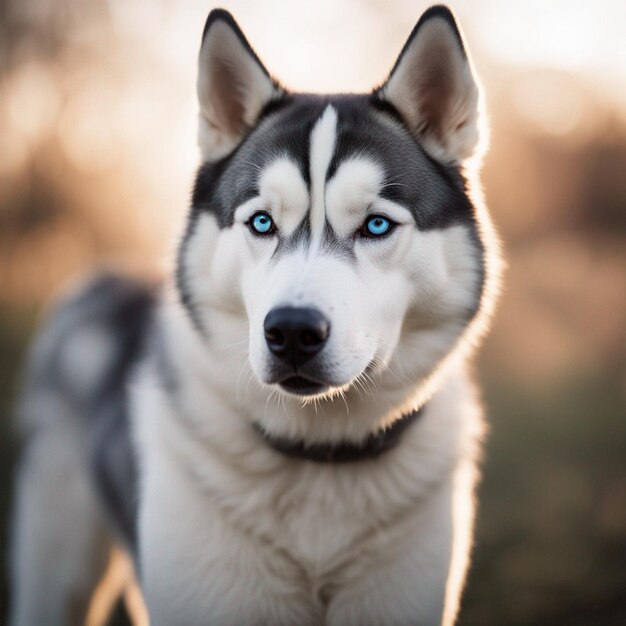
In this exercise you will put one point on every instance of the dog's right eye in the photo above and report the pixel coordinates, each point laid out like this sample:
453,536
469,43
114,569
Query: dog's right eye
376,227
262,224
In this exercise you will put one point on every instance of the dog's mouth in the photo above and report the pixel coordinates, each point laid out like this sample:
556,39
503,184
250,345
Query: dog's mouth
302,386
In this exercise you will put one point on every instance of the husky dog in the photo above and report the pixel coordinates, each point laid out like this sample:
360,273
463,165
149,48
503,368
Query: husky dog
285,433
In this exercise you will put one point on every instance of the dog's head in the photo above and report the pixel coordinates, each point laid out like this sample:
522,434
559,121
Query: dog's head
338,227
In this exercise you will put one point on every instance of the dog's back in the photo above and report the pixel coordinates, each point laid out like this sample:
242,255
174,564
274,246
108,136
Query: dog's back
77,456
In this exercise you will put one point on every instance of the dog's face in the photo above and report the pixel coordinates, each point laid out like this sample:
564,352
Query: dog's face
337,227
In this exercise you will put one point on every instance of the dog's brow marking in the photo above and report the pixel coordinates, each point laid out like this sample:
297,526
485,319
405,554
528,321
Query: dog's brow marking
323,139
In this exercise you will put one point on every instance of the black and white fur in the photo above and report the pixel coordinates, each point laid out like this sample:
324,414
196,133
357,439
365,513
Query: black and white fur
150,417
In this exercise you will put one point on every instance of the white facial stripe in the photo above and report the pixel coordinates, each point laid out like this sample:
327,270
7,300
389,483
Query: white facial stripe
323,138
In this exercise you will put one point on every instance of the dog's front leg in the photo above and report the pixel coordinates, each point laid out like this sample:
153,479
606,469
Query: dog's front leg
404,579
200,566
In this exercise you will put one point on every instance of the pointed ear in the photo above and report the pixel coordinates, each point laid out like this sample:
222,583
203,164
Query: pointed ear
433,88
233,86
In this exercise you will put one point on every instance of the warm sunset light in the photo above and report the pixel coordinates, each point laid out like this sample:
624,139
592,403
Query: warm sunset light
98,153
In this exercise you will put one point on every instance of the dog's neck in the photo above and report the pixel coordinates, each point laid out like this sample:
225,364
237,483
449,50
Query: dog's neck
373,446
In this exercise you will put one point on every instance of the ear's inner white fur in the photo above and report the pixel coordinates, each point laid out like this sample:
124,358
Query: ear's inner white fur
233,87
434,89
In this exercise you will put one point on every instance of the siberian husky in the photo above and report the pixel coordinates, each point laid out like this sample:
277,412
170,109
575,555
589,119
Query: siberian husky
285,433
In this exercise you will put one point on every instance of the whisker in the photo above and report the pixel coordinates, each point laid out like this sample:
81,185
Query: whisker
241,371
233,345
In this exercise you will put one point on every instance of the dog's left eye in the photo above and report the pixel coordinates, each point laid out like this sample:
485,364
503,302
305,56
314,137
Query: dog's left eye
376,226
262,224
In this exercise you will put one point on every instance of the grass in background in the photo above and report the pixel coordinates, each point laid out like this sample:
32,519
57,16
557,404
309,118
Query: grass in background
15,329
551,536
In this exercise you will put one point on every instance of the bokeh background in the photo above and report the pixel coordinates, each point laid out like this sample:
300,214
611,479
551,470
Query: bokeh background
97,154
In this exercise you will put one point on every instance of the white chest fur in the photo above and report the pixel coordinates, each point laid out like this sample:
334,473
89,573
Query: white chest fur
233,533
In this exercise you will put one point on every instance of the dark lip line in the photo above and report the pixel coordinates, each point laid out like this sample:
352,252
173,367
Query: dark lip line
315,382
308,385
297,375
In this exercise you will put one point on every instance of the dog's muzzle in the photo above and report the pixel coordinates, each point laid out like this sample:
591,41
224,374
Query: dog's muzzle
294,335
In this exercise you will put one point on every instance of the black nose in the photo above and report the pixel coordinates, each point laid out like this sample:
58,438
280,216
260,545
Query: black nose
295,334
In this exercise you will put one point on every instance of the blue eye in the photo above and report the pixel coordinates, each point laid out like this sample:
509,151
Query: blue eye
262,224
376,226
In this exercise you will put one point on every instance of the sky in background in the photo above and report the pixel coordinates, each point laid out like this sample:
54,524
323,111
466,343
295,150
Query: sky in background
350,45
327,45
360,38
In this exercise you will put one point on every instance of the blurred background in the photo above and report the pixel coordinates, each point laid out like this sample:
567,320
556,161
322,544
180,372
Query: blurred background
97,156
